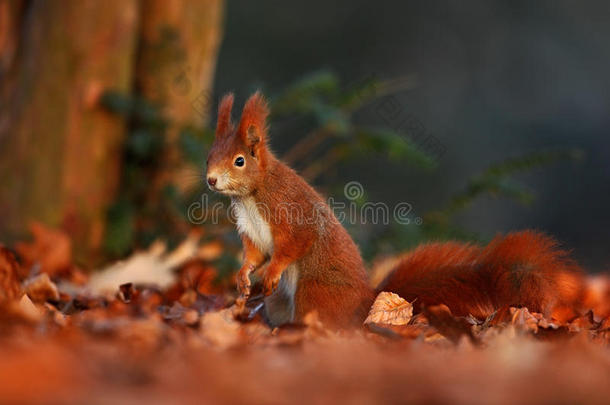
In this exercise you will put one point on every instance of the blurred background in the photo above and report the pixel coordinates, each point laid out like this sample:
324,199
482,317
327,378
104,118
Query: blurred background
484,116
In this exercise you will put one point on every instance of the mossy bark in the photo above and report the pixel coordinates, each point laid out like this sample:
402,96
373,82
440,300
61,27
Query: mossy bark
59,150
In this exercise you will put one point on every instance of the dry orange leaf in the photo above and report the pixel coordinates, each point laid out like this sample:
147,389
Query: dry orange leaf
390,309
210,251
28,310
523,319
220,328
51,249
448,325
10,287
40,288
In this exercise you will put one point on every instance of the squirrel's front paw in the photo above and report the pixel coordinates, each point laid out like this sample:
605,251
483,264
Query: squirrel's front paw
270,283
243,281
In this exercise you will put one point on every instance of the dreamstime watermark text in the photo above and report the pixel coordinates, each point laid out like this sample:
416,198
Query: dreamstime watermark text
352,211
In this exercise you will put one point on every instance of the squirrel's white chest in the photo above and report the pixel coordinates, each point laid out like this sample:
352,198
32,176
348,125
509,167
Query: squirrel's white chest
250,221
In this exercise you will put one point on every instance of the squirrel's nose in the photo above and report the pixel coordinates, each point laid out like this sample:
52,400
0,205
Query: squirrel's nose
212,181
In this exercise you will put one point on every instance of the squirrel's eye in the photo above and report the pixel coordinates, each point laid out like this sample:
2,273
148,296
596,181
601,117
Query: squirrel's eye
239,162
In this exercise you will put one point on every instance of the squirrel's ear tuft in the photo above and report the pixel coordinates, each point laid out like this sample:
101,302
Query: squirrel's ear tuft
253,124
224,124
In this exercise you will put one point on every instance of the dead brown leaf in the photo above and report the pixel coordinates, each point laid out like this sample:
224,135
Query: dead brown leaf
584,323
196,275
210,251
245,310
154,266
40,288
390,309
179,313
220,329
10,288
412,331
451,327
146,343
523,320
26,308
126,292
51,249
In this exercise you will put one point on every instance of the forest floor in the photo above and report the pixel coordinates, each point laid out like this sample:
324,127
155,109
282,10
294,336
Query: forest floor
70,338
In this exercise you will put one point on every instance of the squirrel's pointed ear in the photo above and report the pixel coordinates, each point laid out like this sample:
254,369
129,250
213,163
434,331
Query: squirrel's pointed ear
224,124
253,124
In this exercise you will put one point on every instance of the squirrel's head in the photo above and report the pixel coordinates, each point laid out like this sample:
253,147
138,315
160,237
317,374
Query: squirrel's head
238,156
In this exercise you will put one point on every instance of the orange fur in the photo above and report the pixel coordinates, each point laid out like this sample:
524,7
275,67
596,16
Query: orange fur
331,278
520,269
254,114
597,295
224,124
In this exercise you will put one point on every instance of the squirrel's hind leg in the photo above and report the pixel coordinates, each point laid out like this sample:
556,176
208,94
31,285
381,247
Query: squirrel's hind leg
337,306
280,306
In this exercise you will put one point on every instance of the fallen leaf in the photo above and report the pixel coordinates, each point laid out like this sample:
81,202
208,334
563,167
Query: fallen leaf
10,288
391,309
583,323
245,310
142,335
453,328
28,310
179,313
410,331
195,274
126,292
220,328
523,320
58,317
188,298
151,267
51,249
183,252
210,251
438,338
605,325
206,303
546,324
40,288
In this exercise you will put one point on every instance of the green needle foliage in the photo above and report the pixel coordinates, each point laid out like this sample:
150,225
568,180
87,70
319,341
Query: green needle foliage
397,148
496,181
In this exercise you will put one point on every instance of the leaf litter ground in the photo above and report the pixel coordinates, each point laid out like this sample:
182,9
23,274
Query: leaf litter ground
155,328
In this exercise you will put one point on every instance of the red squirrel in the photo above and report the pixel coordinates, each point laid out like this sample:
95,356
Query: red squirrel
311,262
308,261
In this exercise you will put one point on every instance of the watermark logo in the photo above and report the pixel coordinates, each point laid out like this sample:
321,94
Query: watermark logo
354,211
353,191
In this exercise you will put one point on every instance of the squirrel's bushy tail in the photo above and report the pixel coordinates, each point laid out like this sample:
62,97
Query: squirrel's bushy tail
524,268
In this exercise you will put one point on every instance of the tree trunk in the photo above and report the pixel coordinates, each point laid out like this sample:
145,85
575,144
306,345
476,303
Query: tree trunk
59,151
175,68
